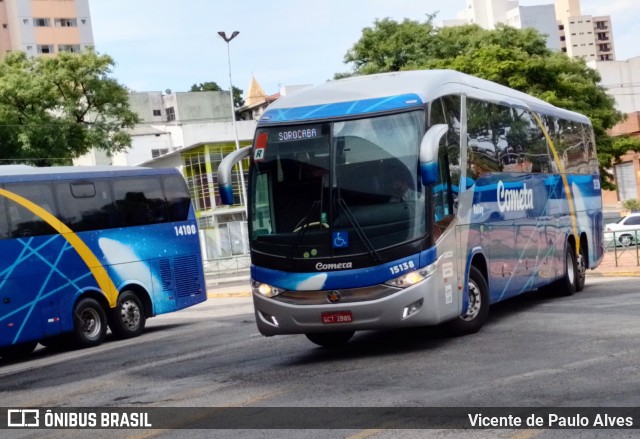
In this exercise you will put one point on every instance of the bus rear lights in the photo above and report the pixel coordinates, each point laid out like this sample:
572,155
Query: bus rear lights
412,309
265,290
268,318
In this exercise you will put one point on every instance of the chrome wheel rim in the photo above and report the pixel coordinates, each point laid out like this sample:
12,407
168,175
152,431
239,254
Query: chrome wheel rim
130,314
475,301
91,324
571,275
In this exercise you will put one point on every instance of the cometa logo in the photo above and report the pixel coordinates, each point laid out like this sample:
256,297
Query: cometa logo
336,266
514,199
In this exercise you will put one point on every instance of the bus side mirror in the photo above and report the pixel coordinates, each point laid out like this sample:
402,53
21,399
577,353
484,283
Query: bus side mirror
224,173
429,153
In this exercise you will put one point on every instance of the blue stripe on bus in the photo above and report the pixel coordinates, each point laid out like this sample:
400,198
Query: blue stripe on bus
330,280
341,109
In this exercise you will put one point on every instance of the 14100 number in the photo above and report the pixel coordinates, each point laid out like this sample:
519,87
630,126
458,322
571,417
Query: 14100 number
189,229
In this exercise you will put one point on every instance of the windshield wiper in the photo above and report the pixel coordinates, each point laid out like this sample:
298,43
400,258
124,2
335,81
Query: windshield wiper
363,237
301,228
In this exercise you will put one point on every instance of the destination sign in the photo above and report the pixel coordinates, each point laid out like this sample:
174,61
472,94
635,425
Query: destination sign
297,134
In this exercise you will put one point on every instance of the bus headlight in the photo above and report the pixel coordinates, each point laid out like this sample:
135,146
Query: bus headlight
406,280
265,290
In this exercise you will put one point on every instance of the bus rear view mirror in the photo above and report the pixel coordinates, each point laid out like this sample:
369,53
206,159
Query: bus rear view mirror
429,153
224,173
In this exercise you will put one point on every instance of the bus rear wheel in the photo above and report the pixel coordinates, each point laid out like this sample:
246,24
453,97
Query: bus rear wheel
128,318
567,285
331,339
581,266
478,309
89,323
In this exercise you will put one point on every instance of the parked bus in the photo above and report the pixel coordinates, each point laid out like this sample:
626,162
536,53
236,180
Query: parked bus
414,198
83,248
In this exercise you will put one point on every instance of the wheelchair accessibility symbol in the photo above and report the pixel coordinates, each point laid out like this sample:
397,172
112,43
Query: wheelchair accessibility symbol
340,239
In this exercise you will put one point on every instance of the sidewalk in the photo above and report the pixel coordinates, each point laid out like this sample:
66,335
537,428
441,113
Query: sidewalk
627,264
228,286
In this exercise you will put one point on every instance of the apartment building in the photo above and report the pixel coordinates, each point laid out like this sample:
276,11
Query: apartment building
45,27
584,36
567,30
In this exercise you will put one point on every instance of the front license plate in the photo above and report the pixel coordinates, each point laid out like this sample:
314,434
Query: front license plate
337,317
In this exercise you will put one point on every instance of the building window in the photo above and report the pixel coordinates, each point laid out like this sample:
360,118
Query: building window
561,27
25,20
157,113
74,48
45,48
4,25
155,153
66,22
171,114
41,22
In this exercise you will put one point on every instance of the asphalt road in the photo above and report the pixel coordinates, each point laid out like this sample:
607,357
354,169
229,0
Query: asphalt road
534,351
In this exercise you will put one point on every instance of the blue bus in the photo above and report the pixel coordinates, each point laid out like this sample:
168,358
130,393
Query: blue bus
87,248
414,198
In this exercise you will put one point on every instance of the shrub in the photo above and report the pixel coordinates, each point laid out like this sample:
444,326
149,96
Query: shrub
632,205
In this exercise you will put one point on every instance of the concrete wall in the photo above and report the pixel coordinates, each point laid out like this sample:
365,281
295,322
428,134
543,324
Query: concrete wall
622,81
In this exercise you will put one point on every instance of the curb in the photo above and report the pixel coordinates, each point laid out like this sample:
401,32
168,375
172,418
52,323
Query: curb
214,295
616,274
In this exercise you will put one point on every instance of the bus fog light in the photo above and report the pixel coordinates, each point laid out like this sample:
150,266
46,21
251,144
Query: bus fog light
269,318
412,309
265,290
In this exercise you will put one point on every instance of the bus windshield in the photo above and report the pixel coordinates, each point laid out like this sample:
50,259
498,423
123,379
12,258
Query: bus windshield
337,188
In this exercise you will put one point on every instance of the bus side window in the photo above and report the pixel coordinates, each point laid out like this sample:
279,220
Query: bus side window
139,201
23,222
177,197
85,205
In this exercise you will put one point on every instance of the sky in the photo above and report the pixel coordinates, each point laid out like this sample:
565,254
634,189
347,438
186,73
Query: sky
168,44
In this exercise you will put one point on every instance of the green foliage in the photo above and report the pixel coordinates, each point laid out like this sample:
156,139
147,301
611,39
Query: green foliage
517,58
213,86
54,109
632,205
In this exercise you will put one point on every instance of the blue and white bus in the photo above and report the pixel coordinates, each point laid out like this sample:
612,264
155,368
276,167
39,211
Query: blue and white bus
87,248
414,198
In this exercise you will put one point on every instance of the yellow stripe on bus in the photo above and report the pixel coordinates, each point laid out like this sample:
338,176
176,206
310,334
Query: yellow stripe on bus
565,182
99,273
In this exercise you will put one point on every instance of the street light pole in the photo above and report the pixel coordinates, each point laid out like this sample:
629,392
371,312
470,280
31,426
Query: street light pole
223,35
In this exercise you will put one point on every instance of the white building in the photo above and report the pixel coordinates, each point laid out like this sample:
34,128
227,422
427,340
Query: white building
567,30
541,17
622,81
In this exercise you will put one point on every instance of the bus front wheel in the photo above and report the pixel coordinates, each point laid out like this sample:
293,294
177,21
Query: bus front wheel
478,309
128,318
331,339
89,323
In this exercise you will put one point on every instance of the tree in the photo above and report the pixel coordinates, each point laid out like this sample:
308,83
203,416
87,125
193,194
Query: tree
54,109
212,86
517,58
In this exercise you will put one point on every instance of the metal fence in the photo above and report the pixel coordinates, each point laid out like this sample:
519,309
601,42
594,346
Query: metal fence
225,267
623,246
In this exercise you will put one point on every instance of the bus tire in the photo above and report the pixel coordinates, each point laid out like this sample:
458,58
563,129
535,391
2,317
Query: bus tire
18,351
581,268
330,339
89,323
567,285
472,320
128,318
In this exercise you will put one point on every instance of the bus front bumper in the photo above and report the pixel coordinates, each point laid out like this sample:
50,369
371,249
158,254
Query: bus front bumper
418,305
